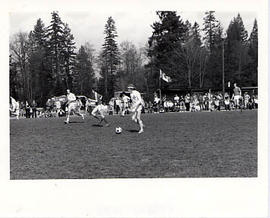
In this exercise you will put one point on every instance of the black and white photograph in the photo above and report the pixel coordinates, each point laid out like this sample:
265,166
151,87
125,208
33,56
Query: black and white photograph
135,95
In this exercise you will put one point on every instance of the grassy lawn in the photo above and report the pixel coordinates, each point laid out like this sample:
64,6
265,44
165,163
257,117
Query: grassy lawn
174,145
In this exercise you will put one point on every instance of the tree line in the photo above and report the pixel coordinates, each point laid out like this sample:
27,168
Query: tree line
45,61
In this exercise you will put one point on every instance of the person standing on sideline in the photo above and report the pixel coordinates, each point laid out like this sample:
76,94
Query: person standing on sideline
187,101
137,105
246,100
237,96
227,101
176,102
34,108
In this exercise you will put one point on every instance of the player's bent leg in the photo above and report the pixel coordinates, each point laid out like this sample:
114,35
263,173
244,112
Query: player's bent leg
81,114
134,117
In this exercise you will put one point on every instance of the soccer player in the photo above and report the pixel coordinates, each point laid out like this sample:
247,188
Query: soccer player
70,98
237,95
101,109
137,106
125,100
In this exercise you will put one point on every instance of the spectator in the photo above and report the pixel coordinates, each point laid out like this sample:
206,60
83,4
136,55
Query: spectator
58,108
118,104
176,102
210,101
182,103
206,101
156,103
187,102
246,100
27,110
34,109
227,101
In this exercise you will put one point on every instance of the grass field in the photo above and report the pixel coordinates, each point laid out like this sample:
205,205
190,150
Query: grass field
174,145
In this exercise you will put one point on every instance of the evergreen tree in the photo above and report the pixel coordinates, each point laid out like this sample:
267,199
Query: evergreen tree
110,58
213,41
251,72
236,51
38,64
83,72
165,46
55,45
214,66
68,55
210,24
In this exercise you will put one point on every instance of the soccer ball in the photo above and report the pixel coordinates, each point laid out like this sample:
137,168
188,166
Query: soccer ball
118,130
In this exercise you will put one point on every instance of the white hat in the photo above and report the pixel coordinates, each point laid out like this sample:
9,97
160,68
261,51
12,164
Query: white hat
131,86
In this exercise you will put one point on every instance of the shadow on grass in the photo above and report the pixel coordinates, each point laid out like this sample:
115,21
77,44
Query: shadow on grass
132,130
70,122
97,125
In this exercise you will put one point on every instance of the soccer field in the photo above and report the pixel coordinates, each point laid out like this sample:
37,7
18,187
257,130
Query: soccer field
174,145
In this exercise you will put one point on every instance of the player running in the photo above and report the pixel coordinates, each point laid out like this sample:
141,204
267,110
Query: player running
70,98
125,101
137,104
99,113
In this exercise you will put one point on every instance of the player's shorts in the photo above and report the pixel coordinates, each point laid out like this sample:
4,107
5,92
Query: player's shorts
139,109
96,112
237,98
125,105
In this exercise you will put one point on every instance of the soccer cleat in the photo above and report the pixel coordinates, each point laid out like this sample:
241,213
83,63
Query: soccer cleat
141,131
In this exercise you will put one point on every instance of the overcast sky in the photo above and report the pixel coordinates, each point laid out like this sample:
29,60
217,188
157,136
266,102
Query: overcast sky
131,25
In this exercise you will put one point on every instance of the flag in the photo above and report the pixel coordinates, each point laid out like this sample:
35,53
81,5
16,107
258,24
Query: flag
165,77
97,96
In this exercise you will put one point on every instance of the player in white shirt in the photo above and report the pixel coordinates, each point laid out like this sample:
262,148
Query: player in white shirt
237,96
246,100
14,107
100,110
125,100
70,98
136,106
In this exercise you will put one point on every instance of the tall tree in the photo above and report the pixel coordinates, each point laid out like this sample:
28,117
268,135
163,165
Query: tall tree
110,58
165,46
68,55
19,57
83,72
191,52
251,71
210,24
236,50
55,44
38,63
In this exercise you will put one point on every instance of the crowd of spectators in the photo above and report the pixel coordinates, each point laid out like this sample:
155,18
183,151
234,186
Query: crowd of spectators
200,102
178,103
